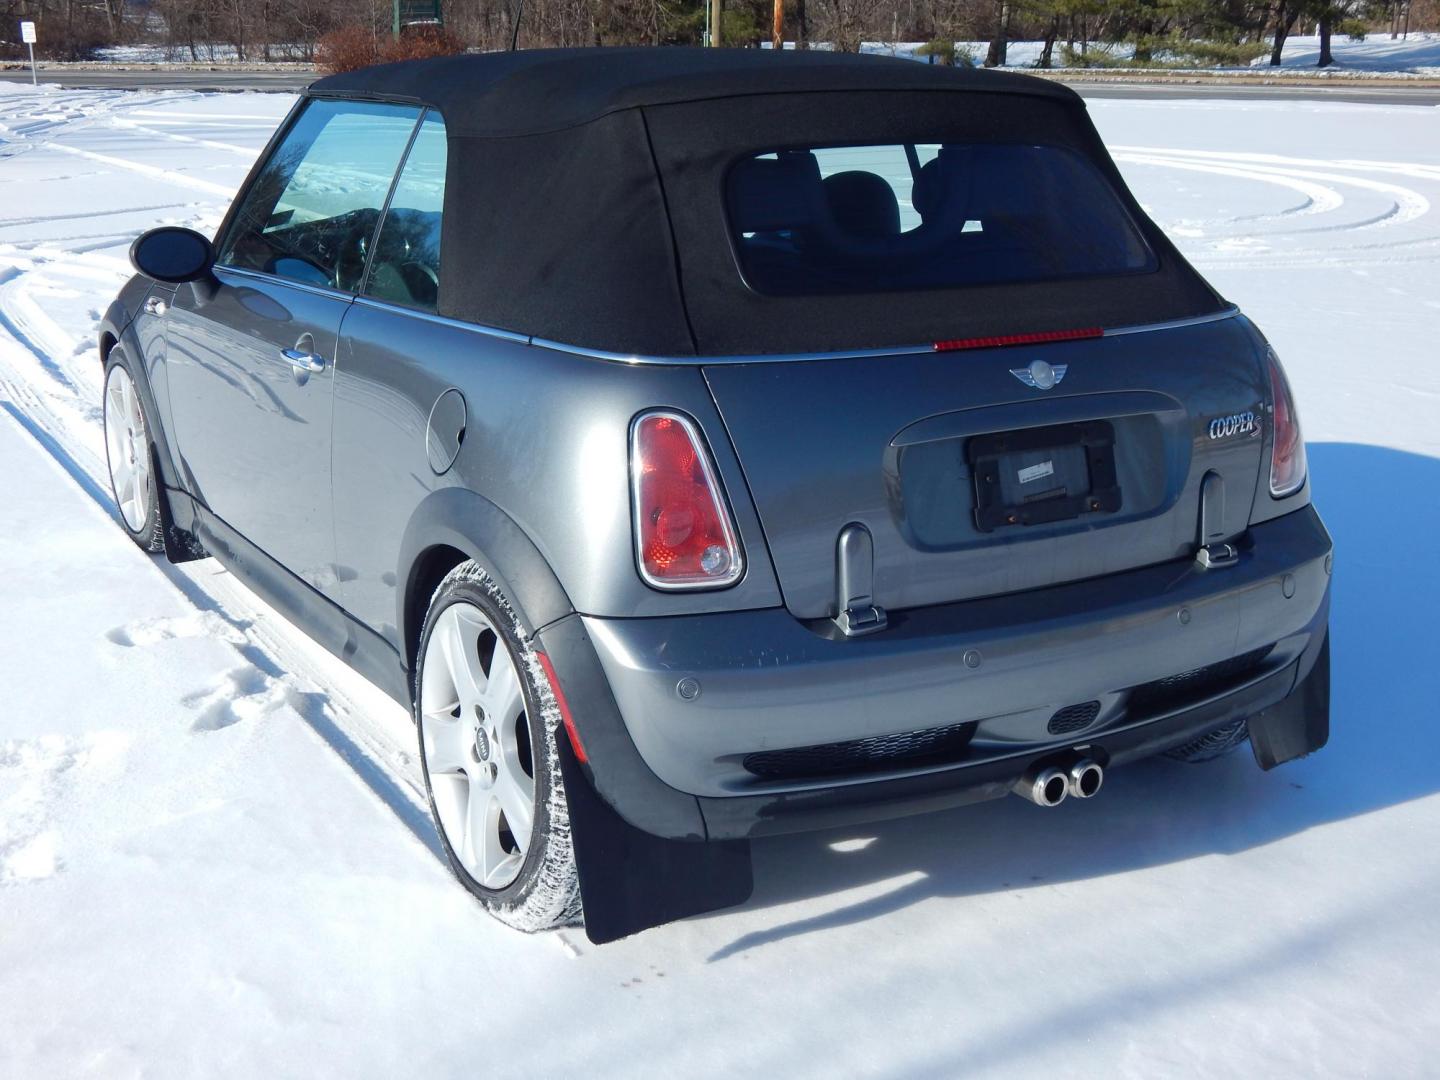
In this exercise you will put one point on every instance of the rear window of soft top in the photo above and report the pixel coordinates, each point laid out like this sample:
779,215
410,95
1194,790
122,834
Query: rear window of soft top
885,218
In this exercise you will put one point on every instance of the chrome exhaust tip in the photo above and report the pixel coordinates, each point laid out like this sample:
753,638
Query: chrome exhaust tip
1085,778
1044,787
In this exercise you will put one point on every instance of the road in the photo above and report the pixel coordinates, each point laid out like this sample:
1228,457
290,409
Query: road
1369,92
286,81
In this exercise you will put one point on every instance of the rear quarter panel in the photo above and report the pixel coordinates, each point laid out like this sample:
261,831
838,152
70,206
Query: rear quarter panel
546,441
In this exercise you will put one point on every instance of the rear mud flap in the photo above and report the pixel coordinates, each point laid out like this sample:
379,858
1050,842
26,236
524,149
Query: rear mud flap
1300,724
632,881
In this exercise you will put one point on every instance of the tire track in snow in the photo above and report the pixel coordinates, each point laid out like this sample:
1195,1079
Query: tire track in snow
1351,199
374,737
175,136
170,176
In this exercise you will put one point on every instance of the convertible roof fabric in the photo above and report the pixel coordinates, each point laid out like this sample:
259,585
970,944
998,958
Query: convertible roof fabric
540,90
585,195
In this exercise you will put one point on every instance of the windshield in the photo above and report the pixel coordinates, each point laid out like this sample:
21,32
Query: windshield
883,218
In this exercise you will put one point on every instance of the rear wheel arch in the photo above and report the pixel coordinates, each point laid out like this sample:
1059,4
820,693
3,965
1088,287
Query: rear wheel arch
455,525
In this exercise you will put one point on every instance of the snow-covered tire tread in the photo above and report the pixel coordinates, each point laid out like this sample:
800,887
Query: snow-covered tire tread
547,893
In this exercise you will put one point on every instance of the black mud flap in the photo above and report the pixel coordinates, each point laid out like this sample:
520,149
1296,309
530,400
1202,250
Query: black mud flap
1300,724
180,546
631,881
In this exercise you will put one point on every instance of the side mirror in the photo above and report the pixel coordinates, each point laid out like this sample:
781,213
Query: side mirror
173,255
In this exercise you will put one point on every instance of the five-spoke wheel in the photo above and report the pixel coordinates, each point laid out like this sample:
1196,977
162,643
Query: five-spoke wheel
127,453
477,745
486,731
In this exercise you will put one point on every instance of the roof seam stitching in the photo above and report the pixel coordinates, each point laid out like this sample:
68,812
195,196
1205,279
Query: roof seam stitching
670,229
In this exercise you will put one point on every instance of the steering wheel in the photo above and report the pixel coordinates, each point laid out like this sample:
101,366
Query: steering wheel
351,255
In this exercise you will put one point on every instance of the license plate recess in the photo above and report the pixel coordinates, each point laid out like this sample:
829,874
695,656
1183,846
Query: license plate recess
1037,476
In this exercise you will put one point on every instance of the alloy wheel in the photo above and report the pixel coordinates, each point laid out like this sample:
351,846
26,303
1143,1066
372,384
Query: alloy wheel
476,740
127,449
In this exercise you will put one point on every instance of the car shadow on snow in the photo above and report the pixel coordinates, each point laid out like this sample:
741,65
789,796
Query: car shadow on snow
1382,508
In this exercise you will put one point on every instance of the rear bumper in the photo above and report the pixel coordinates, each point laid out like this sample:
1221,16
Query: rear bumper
673,766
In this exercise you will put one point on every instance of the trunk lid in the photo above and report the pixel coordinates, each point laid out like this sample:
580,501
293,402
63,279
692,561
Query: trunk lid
895,443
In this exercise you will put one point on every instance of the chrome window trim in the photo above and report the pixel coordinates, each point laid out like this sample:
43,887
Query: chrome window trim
276,279
442,320
760,358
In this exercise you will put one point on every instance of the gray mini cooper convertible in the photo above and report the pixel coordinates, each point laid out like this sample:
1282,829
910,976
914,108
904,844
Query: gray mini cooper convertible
711,445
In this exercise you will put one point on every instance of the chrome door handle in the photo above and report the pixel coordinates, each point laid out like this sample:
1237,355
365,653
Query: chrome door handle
304,361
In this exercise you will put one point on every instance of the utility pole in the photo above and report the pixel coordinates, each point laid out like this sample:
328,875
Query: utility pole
715,23
777,36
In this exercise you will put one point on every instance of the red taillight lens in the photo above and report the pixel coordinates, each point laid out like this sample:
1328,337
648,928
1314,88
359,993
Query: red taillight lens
683,534
1287,454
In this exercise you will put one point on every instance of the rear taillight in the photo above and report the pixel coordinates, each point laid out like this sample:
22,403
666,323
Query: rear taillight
684,537
1287,452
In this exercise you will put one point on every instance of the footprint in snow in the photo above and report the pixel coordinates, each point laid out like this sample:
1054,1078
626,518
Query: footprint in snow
35,776
30,860
245,693
146,632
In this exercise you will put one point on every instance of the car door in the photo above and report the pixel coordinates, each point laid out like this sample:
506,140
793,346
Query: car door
398,418
251,356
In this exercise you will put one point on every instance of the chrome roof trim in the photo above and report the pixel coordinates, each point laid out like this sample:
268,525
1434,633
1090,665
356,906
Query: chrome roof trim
848,354
759,358
1175,324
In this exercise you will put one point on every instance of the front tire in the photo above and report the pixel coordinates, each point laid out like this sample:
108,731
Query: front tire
130,457
486,721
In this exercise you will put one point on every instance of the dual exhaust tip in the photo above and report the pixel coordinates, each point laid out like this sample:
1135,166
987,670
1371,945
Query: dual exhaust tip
1050,785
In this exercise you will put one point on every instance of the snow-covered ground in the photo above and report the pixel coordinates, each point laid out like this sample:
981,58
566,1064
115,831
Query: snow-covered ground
1418,54
214,859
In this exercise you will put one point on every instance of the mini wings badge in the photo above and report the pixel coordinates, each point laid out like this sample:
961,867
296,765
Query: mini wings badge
1040,375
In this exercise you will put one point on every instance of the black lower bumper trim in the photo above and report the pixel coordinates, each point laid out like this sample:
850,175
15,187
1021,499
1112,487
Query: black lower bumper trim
1291,720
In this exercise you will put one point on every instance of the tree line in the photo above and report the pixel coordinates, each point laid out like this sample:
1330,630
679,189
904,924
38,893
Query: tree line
1072,32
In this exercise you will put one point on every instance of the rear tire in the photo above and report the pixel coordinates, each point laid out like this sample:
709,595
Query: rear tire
486,722
1213,745
130,456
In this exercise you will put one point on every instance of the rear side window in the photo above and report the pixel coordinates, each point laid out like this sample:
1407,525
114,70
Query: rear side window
405,268
885,218
312,211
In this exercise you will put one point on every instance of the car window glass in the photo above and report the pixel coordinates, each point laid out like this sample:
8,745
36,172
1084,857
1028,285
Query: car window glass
880,218
405,268
311,213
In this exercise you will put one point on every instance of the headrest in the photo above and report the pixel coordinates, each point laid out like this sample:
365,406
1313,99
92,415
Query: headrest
770,194
863,205
926,193
1001,180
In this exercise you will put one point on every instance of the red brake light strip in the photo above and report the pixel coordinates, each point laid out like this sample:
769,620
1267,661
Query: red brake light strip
1040,338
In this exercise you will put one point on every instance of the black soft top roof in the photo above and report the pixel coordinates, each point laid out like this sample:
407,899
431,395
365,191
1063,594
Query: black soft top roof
538,90
584,195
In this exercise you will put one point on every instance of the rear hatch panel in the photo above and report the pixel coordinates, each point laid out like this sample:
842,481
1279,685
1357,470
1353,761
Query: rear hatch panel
890,442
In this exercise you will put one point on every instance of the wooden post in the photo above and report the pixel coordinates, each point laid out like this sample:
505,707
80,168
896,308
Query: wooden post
715,23
777,36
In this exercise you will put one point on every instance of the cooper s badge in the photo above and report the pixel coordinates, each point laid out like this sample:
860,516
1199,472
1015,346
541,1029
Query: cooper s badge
1241,423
